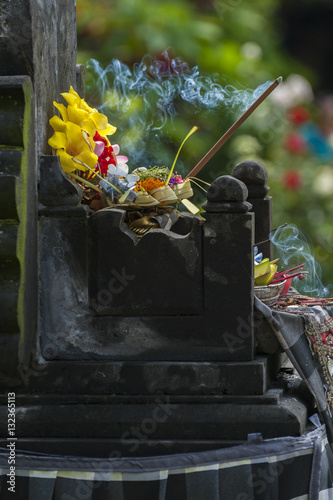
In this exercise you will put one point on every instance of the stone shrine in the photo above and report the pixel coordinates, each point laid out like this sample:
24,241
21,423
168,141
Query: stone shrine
136,351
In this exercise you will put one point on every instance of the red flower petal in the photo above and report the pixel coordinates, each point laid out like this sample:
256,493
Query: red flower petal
295,143
299,114
292,179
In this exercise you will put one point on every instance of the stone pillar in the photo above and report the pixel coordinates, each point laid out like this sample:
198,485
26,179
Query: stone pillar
38,39
228,264
37,62
18,218
255,176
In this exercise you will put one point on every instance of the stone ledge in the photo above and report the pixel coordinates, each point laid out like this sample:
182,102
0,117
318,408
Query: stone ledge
159,421
151,378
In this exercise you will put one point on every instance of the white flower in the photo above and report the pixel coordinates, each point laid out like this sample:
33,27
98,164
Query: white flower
119,177
295,90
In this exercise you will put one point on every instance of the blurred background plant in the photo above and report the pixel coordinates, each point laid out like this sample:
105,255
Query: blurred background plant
240,45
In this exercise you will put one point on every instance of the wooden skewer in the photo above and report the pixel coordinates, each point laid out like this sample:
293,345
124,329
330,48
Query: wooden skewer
234,127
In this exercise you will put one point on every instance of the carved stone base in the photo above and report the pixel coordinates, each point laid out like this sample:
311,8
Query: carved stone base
125,426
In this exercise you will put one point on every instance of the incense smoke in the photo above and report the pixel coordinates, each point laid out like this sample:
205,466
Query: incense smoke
294,248
141,101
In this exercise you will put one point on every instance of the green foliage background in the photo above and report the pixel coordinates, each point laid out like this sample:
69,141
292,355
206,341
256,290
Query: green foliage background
233,38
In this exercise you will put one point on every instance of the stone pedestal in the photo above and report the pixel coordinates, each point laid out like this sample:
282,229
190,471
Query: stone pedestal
114,345
146,362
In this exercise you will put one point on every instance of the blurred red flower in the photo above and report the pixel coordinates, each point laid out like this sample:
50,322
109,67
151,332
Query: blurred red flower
299,114
295,143
292,179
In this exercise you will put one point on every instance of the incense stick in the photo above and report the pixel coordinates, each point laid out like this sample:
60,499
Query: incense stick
234,127
287,277
273,230
281,273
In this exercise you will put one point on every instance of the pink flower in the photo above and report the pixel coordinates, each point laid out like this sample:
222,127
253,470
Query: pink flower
107,155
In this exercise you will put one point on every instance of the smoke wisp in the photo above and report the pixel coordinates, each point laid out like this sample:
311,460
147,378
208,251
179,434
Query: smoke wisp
142,100
294,248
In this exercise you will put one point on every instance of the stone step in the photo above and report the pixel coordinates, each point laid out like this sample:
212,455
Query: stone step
149,378
271,397
8,209
132,424
8,237
10,378
12,109
9,292
10,160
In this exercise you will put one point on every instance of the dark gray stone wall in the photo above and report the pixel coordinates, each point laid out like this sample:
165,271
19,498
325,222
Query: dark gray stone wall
38,38
18,254
37,62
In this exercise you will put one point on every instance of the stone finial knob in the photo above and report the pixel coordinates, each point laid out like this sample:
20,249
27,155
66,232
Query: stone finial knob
227,194
254,175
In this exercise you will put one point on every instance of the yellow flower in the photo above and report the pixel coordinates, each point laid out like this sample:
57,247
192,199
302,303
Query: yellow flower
70,142
70,131
88,118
